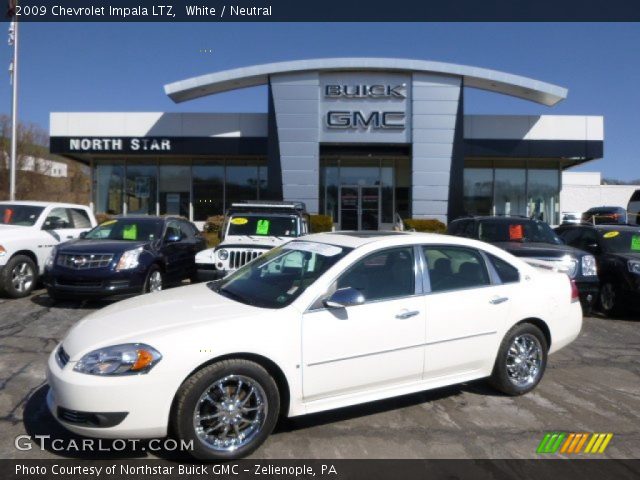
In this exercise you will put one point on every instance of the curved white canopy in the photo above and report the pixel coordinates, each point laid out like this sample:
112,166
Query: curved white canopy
482,78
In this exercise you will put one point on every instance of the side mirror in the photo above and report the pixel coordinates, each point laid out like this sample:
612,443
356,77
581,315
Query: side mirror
344,297
54,224
82,234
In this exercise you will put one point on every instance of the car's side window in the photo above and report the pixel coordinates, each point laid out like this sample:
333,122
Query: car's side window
453,268
80,218
58,218
173,230
469,229
382,275
507,272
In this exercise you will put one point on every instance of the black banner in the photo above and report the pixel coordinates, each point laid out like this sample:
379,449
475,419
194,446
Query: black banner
322,469
325,11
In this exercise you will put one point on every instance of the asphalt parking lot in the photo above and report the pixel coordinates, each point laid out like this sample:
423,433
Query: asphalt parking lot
591,386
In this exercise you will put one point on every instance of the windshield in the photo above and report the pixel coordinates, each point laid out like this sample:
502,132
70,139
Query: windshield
517,231
278,277
19,215
127,229
627,241
264,226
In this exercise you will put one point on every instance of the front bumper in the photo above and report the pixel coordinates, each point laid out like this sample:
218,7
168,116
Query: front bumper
94,284
208,272
135,406
588,288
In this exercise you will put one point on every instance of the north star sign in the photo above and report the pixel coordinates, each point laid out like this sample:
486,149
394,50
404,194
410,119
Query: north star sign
358,119
119,144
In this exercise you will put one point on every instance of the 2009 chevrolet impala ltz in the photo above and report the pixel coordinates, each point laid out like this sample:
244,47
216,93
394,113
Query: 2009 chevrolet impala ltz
323,322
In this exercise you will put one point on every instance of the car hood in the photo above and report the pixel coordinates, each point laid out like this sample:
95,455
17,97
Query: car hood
99,246
253,241
539,249
14,232
136,319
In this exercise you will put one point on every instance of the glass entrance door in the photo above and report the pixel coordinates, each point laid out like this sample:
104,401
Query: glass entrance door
359,207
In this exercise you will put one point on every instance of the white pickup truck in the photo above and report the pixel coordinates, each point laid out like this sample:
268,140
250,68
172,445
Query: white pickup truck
28,233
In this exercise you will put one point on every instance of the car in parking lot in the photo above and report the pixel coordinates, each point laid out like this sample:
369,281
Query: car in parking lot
605,215
122,256
617,252
322,322
532,239
28,232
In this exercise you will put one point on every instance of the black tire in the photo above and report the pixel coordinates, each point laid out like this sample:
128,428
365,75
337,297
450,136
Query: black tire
609,299
15,266
204,381
153,270
501,378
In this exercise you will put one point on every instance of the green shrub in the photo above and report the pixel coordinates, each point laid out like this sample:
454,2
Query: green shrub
213,224
320,223
425,225
103,217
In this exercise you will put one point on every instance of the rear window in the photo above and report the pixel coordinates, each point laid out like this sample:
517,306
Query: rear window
517,231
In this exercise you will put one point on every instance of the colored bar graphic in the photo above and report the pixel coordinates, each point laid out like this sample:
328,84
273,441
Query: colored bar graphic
572,443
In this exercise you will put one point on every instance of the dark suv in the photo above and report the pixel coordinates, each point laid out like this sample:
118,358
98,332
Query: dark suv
617,252
126,255
605,215
529,238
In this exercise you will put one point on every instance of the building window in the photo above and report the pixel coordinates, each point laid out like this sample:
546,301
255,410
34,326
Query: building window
241,182
478,191
140,188
510,191
208,190
543,190
108,188
175,189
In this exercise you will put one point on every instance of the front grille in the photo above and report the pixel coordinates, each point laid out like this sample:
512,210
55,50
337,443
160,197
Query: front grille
71,282
238,258
84,261
62,356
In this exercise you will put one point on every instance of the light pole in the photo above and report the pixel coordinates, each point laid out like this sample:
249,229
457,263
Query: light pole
13,39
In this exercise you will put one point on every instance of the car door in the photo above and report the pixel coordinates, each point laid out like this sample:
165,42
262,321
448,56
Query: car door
466,308
192,242
372,345
174,250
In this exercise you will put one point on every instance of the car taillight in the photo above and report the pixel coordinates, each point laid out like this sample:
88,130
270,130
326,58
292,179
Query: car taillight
575,294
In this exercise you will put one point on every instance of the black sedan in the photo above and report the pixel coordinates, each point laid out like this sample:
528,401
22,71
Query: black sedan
124,256
617,252
529,238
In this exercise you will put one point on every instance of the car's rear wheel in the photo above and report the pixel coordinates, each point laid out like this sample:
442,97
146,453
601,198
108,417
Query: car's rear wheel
19,276
609,299
521,360
228,409
154,281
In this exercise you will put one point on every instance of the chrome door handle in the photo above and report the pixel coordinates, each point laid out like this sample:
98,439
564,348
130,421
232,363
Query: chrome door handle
407,314
498,300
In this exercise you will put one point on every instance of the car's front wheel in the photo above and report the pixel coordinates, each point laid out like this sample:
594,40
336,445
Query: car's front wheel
154,281
521,360
19,276
228,409
609,299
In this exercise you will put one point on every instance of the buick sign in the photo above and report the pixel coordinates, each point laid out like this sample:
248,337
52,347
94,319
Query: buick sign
366,91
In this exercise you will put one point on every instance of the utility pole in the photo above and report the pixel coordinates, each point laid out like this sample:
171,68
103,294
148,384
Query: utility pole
13,39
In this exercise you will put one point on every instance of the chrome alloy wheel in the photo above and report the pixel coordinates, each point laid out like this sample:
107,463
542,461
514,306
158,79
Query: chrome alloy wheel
230,413
524,360
607,297
22,277
155,281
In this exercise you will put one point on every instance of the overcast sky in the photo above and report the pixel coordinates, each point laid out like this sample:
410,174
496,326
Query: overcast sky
123,67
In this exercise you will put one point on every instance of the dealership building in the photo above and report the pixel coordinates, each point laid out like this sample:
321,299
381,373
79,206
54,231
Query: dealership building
364,140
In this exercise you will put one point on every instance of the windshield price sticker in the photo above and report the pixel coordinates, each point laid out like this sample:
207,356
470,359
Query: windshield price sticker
239,221
515,232
319,248
635,243
262,227
612,234
130,232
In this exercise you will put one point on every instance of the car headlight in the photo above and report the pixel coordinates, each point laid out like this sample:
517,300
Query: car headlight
127,359
129,259
51,258
589,266
3,251
223,254
568,265
634,266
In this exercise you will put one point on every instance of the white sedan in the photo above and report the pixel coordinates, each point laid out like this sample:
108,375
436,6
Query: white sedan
322,322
